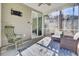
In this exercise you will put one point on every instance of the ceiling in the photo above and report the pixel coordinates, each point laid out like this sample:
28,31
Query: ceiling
45,9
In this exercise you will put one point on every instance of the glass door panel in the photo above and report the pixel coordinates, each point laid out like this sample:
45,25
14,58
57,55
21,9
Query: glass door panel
34,24
34,27
39,25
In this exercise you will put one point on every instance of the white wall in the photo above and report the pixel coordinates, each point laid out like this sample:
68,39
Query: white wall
0,24
21,23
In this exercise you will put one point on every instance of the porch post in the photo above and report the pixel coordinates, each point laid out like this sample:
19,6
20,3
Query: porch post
60,20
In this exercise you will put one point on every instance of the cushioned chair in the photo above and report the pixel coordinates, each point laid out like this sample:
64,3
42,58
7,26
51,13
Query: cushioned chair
13,38
57,35
69,43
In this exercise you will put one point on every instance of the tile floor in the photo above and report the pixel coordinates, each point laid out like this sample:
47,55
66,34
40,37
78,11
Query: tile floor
52,45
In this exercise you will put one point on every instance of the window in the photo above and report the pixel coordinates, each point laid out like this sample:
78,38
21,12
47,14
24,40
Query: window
53,21
70,23
75,24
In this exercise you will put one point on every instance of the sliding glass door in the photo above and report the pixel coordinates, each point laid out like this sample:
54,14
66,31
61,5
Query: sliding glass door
36,24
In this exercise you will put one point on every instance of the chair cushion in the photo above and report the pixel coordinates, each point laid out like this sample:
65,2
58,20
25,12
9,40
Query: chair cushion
57,34
76,36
